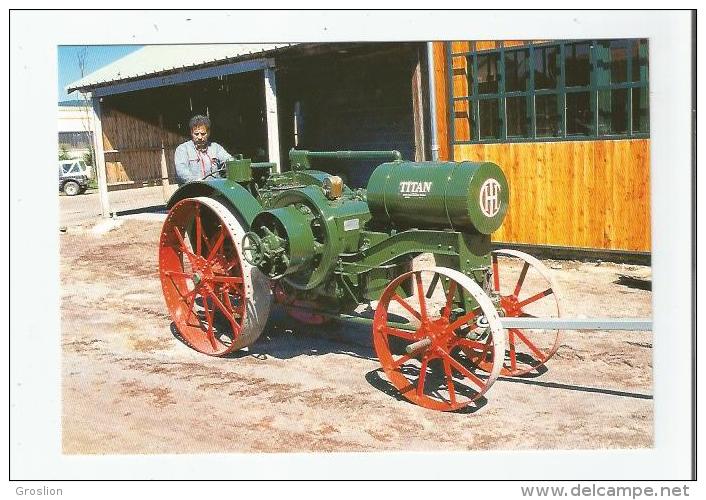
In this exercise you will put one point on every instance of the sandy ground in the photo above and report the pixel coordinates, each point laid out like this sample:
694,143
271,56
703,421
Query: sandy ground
130,386
86,207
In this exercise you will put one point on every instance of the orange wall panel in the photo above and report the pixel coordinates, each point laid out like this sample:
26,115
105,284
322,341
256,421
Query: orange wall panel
584,194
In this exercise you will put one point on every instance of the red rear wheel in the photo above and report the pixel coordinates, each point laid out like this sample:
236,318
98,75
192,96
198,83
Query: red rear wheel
218,302
526,289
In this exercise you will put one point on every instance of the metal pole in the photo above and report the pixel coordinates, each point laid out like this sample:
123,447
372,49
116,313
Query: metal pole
163,161
432,102
355,155
100,157
272,120
634,324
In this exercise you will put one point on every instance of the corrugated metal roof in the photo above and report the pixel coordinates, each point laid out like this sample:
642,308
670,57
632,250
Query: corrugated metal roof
154,59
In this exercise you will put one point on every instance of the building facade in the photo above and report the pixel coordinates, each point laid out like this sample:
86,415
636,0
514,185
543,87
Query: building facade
74,124
568,121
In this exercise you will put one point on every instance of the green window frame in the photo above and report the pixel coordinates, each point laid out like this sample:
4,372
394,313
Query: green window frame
523,93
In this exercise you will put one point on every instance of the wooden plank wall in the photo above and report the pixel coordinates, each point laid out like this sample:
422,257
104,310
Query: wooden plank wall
133,147
585,194
582,194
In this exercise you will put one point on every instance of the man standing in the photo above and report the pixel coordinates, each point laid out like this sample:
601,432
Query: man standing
198,157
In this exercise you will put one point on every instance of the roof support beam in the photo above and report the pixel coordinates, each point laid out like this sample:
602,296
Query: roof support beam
99,158
272,118
185,77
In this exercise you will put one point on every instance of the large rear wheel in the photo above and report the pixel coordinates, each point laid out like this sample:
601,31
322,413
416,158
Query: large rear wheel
219,303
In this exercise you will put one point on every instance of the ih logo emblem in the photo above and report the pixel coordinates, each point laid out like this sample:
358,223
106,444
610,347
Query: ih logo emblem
490,198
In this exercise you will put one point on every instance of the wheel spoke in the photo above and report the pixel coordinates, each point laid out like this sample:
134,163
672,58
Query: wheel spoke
402,360
496,275
178,274
231,264
230,280
449,299
404,304
189,298
182,243
226,312
513,352
396,332
535,297
422,377
218,244
209,320
432,285
471,344
226,299
420,293
537,352
199,231
462,369
521,279
449,381
462,320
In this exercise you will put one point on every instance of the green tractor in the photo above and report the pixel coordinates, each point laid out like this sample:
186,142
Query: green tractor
231,246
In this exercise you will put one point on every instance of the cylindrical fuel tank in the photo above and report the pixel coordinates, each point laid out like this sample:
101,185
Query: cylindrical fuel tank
458,195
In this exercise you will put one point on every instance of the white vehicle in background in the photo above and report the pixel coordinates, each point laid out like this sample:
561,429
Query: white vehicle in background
76,167
74,176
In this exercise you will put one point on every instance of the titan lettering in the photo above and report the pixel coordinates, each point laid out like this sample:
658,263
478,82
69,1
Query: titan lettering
415,187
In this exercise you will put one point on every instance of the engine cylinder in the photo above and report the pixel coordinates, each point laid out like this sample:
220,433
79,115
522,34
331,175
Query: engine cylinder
466,195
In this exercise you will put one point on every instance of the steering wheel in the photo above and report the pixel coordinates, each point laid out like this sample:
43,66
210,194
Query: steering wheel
252,248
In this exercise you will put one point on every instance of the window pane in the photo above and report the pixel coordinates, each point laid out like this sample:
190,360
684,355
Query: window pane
640,109
517,117
546,67
578,64
489,119
613,61
579,117
463,120
517,70
639,61
613,111
488,73
548,115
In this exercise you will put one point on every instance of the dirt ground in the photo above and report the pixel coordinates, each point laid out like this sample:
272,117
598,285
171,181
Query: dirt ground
131,387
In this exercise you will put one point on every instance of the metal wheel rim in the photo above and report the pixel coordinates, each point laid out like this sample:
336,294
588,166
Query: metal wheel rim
71,188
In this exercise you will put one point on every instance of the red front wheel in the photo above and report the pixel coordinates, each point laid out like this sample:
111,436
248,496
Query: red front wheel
420,338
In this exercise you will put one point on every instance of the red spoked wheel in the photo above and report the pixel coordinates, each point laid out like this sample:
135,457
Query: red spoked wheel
218,302
420,338
526,289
